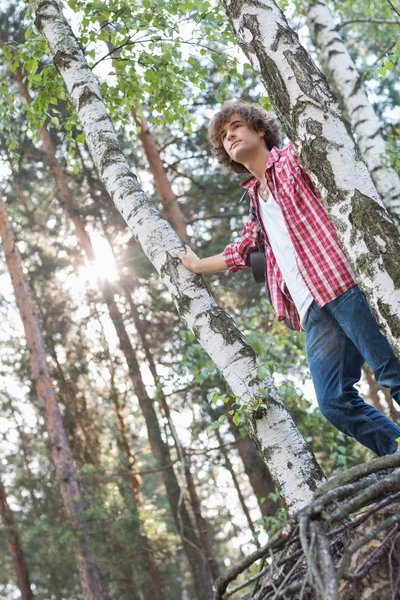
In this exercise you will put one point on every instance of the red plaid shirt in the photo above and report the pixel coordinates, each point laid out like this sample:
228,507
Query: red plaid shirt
320,259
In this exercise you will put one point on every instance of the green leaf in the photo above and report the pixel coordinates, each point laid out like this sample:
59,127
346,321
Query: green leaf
31,65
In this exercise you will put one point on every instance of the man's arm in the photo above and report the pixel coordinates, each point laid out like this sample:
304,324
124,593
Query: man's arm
212,264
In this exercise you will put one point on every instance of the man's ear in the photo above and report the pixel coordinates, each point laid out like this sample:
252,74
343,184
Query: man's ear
261,133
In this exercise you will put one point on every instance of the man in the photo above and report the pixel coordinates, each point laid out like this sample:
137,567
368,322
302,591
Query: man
310,282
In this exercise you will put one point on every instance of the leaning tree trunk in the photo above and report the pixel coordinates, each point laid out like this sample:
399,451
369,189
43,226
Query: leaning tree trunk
15,547
60,450
293,466
159,450
337,62
308,112
166,194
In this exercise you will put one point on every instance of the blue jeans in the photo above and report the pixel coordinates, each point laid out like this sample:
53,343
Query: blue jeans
340,337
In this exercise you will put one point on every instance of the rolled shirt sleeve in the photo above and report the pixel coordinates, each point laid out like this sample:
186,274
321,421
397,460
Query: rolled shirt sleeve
237,255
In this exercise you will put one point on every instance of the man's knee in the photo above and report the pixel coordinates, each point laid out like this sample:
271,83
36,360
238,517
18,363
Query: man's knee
332,409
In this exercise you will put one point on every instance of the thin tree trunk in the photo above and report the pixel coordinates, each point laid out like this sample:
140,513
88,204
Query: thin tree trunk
70,393
195,501
54,587
167,197
90,581
374,398
257,472
349,86
14,546
293,466
308,112
201,522
236,484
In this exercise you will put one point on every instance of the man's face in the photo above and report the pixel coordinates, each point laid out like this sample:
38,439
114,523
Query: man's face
239,140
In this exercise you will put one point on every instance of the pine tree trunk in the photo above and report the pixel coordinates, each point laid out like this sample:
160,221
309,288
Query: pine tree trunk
308,112
168,199
54,587
257,472
201,523
293,466
90,581
242,501
14,546
69,394
337,62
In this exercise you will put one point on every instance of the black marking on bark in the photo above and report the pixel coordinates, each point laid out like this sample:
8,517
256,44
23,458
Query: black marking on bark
314,156
359,107
223,324
41,14
393,320
375,169
87,97
310,80
370,221
277,90
286,34
316,475
333,53
235,8
140,201
317,28
359,122
63,60
333,40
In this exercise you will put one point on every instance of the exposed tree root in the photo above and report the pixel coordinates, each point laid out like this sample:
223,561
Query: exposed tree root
344,545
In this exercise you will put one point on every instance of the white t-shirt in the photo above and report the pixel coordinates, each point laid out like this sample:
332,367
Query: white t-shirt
285,255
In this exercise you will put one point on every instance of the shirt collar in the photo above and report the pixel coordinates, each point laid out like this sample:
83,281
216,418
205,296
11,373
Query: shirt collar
273,157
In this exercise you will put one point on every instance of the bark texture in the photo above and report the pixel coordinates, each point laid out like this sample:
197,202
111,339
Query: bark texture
14,547
293,466
349,87
309,114
60,450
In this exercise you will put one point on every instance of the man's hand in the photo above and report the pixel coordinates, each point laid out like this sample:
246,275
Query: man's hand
190,259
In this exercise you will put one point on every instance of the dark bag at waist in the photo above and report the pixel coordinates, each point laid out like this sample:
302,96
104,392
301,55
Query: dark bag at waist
258,265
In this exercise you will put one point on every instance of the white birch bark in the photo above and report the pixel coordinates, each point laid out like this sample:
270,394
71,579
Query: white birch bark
309,114
291,463
336,61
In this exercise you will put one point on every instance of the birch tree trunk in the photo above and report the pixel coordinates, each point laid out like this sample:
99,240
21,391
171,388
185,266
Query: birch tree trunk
292,465
336,60
60,450
14,546
159,449
309,114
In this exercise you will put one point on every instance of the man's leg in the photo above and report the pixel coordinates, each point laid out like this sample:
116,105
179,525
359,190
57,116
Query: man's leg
335,365
353,314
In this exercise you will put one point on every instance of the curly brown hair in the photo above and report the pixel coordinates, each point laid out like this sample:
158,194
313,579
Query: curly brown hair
256,118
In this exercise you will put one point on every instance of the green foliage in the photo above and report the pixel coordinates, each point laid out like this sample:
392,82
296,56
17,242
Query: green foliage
175,58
